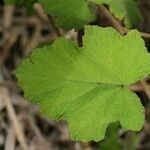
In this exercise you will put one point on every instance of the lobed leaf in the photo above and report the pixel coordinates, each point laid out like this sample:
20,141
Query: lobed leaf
87,86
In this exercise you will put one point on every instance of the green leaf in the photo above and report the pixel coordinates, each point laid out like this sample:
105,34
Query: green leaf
75,14
88,86
123,9
27,3
69,14
111,141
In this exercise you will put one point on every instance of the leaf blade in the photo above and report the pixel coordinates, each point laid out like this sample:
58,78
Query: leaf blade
69,14
77,84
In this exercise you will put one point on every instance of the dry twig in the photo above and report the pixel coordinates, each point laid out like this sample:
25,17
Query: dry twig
7,18
10,139
13,117
146,88
115,23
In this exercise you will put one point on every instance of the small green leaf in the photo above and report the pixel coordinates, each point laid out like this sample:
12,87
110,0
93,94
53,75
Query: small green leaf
88,86
69,13
123,9
111,141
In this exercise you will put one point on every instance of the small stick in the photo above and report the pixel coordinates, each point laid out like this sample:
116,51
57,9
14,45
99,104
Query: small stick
115,23
146,88
40,12
57,31
34,40
136,87
11,41
144,35
13,117
38,132
8,16
10,139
